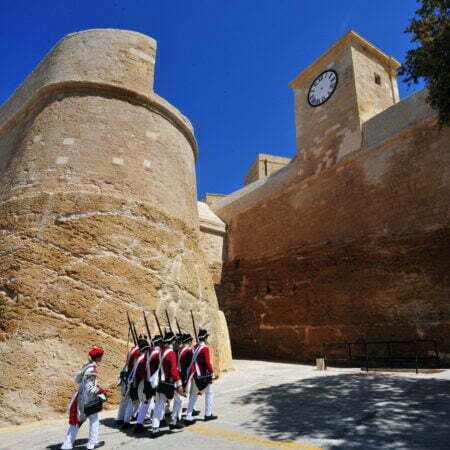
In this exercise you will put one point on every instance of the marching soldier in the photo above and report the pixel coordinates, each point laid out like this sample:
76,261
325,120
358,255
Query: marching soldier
202,371
146,381
184,362
87,394
133,395
169,381
133,354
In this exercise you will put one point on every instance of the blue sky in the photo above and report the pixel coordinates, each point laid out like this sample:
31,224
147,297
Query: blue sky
224,63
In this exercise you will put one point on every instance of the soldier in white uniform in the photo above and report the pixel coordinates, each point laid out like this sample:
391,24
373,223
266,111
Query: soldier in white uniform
86,393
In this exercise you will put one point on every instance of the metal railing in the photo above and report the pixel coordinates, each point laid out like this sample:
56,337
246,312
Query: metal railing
365,358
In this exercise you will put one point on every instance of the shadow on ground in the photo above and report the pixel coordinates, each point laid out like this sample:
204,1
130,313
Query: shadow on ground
359,410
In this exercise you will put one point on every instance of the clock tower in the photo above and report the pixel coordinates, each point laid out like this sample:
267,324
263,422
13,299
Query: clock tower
346,86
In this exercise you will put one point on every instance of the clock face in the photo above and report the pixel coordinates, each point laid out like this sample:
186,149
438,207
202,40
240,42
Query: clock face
322,88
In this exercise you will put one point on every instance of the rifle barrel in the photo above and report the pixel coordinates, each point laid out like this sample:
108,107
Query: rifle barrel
157,323
130,327
178,325
195,328
146,325
168,321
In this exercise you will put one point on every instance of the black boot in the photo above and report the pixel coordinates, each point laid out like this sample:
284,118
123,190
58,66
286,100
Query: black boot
211,417
195,412
156,432
163,423
176,426
139,428
188,422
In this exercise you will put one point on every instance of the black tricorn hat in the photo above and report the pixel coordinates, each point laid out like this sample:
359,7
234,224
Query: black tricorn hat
169,337
186,338
202,333
179,337
142,343
157,340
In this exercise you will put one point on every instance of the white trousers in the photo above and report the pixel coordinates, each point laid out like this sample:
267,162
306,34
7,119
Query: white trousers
122,407
209,397
158,412
132,409
143,410
94,422
177,407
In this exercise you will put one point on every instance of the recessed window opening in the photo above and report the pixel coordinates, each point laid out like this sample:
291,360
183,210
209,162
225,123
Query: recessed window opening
377,79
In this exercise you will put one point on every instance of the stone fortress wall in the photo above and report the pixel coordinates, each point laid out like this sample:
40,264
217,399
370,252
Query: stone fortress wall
350,240
98,216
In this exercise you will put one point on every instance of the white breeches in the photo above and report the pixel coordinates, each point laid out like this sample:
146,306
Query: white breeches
94,422
132,409
209,397
122,407
177,407
143,410
158,412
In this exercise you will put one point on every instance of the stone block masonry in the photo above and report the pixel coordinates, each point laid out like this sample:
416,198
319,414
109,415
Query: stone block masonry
98,216
349,241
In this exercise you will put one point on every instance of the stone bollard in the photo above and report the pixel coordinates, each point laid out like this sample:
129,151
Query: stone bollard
320,364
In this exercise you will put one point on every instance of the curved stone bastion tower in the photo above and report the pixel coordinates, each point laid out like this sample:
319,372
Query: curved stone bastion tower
98,216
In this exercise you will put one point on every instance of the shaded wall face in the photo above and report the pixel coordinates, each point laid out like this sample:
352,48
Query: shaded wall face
358,253
97,217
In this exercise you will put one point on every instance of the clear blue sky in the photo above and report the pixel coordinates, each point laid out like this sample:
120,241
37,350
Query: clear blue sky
224,63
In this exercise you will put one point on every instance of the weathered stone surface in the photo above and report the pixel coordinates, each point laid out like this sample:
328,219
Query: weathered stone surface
373,288
98,216
351,240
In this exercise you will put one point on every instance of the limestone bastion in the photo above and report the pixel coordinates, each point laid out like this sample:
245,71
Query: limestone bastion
98,216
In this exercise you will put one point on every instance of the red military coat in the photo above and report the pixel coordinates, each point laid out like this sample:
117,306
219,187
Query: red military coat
184,361
202,357
139,374
152,361
133,355
169,366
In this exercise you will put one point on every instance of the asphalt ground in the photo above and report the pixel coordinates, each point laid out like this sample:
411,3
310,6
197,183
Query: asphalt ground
292,406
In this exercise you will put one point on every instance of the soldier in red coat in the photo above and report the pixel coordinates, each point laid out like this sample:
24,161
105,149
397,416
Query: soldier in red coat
134,382
184,363
146,381
203,374
169,382
133,355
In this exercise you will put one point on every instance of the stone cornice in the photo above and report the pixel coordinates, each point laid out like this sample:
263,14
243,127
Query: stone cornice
391,62
152,101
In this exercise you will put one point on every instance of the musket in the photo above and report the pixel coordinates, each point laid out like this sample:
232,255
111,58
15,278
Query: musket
168,321
130,328
157,323
178,325
193,324
135,331
146,326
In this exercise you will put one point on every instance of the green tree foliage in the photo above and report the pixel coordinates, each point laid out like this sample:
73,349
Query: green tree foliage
430,59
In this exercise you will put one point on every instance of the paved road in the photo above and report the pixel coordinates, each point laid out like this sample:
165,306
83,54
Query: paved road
290,406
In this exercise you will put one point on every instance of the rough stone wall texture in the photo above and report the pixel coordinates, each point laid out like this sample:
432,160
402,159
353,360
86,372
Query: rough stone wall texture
98,216
357,252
